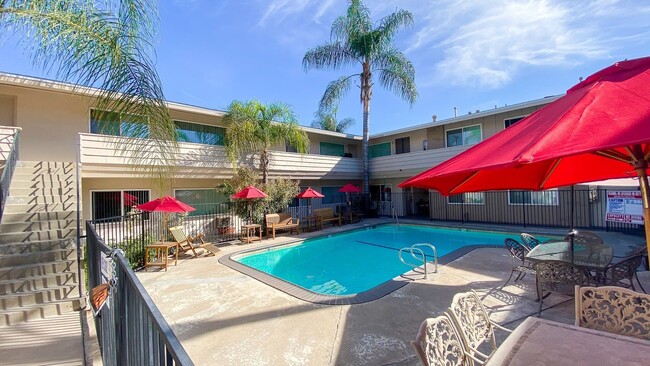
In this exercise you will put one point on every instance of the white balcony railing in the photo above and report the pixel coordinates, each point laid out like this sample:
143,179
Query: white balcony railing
101,157
409,164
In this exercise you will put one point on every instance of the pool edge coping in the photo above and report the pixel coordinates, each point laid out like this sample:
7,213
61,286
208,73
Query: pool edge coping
374,293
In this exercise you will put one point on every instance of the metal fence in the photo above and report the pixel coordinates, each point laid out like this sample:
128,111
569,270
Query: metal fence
8,171
130,329
563,208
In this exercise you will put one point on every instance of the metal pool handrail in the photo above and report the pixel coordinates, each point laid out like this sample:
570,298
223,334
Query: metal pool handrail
415,248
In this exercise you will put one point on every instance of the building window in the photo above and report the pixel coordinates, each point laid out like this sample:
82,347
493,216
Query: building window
471,198
199,134
116,124
107,204
403,145
464,136
539,198
332,195
425,145
290,148
328,148
377,150
511,121
204,200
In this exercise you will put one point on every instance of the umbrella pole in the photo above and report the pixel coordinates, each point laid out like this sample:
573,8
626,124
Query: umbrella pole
645,198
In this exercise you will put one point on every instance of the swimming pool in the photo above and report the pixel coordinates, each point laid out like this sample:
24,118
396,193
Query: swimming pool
357,261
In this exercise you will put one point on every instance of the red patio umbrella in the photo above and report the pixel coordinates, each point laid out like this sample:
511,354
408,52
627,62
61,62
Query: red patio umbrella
350,188
310,193
249,193
165,204
599,130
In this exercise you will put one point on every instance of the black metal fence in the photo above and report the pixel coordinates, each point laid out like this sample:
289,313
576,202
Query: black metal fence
8,171
130,329
565,208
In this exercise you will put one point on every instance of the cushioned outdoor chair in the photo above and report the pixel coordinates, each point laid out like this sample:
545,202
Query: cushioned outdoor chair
188,243
439,343
556,276
519,264
474,324
530,241
613,309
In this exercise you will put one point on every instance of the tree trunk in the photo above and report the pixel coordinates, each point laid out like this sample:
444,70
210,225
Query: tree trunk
264,166
366,93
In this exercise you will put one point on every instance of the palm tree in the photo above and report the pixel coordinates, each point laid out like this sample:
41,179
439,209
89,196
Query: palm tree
326,120
355,41
253,127
107,45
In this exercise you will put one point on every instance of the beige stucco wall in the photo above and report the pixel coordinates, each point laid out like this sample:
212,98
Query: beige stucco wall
49,121
7,110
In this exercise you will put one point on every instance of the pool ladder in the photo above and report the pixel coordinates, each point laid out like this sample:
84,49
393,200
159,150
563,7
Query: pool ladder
418,254
395,216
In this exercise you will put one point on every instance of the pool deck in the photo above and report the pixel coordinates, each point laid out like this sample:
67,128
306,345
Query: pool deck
224,317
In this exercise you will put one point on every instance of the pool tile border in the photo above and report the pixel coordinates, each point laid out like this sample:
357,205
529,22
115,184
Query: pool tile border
374,293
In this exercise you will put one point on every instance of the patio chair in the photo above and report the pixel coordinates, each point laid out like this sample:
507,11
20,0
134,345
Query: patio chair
623,272
188,243
559,277
439,343
281,221
518,254
584,238
530,241
613,309
474,324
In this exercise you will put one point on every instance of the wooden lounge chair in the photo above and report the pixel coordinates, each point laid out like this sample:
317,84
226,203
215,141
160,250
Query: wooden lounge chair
326,215
188,243
281,221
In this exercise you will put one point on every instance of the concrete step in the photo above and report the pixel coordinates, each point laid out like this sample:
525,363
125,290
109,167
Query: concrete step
37,283
40,269
37,246
40,207
10,260
30,183
22,217
43,311
26,236
38,226
28,200
27,191
39,297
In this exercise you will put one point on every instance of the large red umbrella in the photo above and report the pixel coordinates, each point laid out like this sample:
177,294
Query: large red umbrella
310,193
249,193
165,204
599,130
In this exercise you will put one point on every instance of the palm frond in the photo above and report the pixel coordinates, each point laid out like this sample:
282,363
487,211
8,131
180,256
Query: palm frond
399,82
335,91
344,124
330,55
390,24
108,46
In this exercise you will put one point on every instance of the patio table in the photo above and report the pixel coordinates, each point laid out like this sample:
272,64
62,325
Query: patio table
544,342
591,257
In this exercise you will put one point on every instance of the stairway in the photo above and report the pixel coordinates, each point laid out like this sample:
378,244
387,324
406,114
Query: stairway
38,256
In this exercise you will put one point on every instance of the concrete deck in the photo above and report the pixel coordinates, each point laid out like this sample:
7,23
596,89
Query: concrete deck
224,317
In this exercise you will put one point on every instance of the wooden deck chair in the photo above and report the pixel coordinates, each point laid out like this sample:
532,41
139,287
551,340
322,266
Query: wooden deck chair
189,243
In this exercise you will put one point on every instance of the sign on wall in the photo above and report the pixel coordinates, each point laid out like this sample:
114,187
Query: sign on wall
624,206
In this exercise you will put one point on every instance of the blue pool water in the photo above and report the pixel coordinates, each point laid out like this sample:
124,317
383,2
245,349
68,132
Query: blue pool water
356,261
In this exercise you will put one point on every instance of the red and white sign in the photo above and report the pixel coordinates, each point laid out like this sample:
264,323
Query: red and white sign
624,206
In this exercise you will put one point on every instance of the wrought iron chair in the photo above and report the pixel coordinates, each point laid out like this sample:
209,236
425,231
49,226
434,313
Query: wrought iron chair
618,273
613,309
530,241
439,343
474,324
559,277
583,238
518,253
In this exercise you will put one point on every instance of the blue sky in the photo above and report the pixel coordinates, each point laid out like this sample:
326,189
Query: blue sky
473,55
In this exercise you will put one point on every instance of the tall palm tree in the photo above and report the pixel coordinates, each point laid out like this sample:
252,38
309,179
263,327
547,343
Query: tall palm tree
355,41
105,44
326,120
253,127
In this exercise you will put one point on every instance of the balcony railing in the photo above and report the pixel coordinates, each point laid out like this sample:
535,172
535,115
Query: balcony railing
408,164
109,156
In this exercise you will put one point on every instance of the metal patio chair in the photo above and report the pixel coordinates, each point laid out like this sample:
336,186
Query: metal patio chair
518,254
623,272
439,343
530,241
559,277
